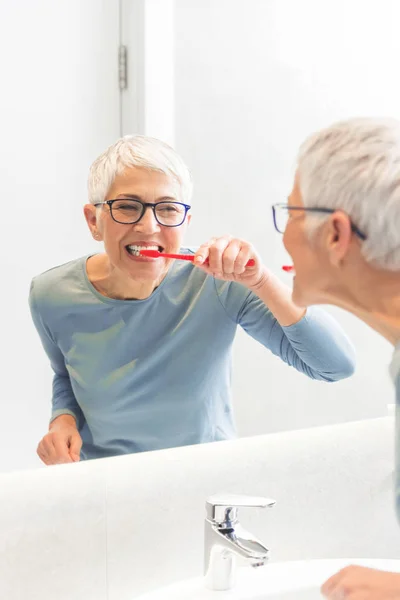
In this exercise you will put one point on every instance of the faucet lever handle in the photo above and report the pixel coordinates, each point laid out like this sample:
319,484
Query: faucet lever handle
222,508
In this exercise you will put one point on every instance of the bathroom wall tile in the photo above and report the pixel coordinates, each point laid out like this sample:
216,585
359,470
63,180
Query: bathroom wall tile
53,534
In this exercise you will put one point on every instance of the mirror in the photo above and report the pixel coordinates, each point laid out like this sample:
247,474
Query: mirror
235,86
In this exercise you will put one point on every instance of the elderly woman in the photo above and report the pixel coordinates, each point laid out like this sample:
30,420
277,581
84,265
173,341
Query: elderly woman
342,229
141,347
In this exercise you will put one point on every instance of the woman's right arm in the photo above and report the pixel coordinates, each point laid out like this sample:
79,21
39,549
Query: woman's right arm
62,443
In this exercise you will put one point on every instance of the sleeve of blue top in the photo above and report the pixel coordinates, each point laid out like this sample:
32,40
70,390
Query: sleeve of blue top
395,374
63,398
397,447
316,345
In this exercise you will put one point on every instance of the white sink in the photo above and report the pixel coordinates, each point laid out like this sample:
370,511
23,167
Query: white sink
299,580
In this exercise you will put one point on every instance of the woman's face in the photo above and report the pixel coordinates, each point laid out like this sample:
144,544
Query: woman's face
316,273
147,186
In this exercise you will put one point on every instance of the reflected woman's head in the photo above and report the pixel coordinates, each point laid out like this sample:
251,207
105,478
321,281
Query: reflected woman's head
134,172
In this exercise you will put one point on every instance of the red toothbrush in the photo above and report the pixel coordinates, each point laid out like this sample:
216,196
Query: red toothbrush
157,254
288,268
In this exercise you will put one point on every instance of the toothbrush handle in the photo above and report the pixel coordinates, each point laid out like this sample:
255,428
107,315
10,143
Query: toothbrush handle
190,257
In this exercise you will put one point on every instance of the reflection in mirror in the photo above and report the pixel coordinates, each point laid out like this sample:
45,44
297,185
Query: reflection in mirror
140,346
140,350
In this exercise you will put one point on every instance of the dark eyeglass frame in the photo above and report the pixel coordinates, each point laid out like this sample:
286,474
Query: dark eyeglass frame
328,211
145,205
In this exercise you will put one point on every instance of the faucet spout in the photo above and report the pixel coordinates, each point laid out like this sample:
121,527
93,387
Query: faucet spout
222,550
244,544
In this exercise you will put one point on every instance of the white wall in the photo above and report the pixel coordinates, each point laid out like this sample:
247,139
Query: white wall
59,110
252,79
148,103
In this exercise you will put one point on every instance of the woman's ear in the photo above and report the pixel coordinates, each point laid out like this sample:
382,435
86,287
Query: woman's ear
90,212
339,236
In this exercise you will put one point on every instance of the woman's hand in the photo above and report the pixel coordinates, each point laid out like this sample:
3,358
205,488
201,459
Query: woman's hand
62,444
227,258
361,583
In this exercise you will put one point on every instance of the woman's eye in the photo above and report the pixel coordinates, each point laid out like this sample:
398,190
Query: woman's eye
167,209
126,207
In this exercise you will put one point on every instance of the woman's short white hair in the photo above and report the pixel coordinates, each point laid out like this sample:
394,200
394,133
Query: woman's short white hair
137,151
354,166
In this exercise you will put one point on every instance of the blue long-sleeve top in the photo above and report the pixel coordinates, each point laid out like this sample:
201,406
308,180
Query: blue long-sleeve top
395,373
142,375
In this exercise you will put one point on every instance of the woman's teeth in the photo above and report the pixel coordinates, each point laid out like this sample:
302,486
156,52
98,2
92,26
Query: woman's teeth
135,250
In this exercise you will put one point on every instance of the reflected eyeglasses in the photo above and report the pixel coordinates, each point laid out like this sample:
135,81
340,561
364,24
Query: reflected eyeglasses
281,215
128,211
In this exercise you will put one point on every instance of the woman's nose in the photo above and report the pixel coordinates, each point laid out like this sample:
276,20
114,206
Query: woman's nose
148,222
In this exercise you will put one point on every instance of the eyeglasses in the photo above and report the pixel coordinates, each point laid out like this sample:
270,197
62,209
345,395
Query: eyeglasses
280,213
128,212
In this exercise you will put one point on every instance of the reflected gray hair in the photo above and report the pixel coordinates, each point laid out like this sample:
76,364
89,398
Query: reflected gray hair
354,166
137,151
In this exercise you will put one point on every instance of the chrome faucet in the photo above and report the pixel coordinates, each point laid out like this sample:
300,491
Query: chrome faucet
225,539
